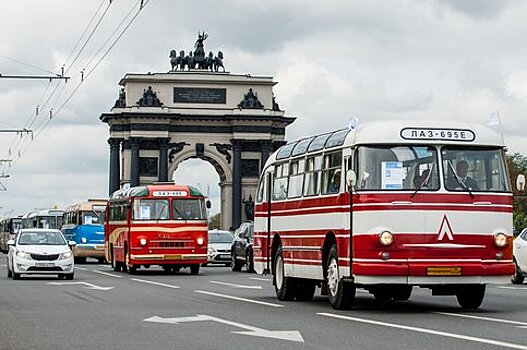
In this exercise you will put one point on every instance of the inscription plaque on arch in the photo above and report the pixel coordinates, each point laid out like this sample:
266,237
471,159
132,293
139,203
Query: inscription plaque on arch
200,95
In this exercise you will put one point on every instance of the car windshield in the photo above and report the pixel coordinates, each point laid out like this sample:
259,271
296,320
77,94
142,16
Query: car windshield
41,238
220,237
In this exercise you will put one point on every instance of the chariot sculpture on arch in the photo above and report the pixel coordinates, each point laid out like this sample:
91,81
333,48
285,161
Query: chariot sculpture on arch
197,58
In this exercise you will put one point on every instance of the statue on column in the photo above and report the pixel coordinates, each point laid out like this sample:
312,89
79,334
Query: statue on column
249,208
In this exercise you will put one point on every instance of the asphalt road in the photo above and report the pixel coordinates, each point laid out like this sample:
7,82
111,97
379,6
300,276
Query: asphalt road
220,309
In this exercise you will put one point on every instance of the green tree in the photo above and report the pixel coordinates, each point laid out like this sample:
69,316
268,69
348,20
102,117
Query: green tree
215,221
517,164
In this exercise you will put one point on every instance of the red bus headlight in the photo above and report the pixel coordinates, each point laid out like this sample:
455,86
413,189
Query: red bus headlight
386,238
500,240
200,240
142,241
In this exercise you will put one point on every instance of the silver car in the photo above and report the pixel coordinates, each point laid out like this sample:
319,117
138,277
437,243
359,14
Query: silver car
40,251
219,247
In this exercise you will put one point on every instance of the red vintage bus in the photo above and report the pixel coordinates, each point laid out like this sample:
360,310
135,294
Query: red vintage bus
160,224
430,207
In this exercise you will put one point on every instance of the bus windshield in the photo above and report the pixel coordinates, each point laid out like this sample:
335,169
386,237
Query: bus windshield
474,169
188,209
398,168
92,218
151,209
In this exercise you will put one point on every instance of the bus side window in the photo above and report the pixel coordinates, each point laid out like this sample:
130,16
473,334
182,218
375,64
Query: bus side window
296,178
331,174
280,182
261,189
312,178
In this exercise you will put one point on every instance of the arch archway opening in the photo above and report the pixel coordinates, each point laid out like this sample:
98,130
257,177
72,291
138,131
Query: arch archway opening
205,176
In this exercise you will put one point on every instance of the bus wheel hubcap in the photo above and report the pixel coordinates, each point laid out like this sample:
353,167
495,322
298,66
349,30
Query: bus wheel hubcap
333,277
279,273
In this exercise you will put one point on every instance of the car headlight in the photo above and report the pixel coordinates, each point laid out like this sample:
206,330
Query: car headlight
65,255
200,240
500,240
211,250
23,255
386,238
142,241
84,240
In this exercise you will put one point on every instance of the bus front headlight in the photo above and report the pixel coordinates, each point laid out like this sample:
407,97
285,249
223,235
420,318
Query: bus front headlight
386,238
142,241
200,240
500,240
84,240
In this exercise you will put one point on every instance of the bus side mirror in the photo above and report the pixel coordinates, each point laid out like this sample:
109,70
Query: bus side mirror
207,203
351,178
520,182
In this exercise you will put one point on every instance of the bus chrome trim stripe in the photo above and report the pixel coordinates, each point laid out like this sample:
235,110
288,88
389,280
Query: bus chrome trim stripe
301,248
417,280
491,261
444,245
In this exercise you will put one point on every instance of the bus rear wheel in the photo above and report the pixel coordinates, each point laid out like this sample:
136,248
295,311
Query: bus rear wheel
340,293
470,296
194,269
284,287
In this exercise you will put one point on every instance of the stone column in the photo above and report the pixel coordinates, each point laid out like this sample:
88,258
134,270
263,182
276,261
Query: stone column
236,183
163,160
267,149
115,170
134,161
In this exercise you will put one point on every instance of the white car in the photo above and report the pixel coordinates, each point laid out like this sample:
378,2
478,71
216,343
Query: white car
520,257
40,251
219,247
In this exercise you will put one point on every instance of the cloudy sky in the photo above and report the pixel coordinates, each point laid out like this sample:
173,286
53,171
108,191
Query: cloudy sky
377,60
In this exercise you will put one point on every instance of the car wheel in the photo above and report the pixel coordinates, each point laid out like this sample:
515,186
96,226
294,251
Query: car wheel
236,265
470,296
16,276
517,278
285,287
340,293
9,273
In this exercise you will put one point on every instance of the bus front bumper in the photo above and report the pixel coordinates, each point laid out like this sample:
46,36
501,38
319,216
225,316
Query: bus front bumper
161,259
433,273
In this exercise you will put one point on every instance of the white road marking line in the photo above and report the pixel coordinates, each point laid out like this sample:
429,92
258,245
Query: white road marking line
234,285
89,285
238,298
106,273
506,287
259,279
428,331
155,283
81,268
500,320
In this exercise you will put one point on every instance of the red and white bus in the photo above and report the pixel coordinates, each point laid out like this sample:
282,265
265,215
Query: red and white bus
431,207
160,224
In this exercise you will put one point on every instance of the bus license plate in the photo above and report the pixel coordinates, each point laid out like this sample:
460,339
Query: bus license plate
443,271
44,264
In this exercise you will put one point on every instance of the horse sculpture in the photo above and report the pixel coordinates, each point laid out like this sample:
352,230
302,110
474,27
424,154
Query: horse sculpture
218,62
175,60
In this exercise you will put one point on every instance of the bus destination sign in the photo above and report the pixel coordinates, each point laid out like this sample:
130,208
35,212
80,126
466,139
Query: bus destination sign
169,194
438,134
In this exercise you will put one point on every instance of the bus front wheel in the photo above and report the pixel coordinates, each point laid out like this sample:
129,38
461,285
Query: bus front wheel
194,269
285,287
470,296
340,292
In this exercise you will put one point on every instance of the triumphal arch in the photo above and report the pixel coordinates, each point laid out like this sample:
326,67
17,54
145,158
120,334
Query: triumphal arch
196,110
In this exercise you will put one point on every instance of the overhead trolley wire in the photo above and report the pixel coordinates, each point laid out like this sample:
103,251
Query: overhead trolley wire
38,131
